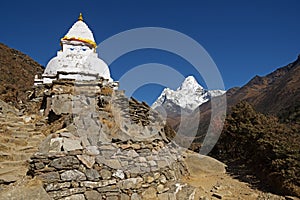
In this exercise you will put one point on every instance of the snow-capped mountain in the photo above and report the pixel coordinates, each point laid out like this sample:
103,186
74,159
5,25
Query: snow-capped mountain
187,97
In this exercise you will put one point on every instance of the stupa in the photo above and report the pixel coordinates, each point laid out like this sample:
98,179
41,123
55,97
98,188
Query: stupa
100,144
77,59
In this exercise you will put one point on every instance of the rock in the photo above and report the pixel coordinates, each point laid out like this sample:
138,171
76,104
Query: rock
149,193
162,163
163,196
50,177
67,135
217,195
55,144
92,175
62,104
135,196
119,174
156,175
149,179
130,183
73,175
32,190
92,195
197,163
132,154
142,159
105,174
160,188
152,163
185,191
70,144
91,184
112,163
291,198
57,186
163,179
65,193
39,165
75,197
124,197
108,153
27,119
88,161
45,145
112,198
67,162
92,150
106,147
109,189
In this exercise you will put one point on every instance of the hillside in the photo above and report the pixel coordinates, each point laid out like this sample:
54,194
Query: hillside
275,94
261,130
262,144
22,134
17,74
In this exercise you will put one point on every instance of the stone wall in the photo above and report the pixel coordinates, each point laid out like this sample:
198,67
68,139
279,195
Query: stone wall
110,147
108,170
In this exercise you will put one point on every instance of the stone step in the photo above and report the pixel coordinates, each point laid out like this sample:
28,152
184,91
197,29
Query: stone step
26,149
16,141
5,147
37,138
12,128
8,164
5,156
21,135
12,174
8,118
35,132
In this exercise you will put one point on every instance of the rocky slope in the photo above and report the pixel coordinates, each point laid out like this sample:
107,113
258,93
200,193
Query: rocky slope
276,98
90,178
277,94
20,137
17,74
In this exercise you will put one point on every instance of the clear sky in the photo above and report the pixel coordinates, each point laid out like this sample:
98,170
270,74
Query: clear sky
244,38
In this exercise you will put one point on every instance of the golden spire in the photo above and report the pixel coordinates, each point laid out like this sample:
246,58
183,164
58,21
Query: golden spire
80,18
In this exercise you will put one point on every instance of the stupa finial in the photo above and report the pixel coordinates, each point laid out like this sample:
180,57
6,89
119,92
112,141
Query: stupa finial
80,18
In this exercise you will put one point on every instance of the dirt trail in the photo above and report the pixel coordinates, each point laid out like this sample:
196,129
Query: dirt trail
209,176
19,139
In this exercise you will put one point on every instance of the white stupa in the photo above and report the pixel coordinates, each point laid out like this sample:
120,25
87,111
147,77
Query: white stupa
78,58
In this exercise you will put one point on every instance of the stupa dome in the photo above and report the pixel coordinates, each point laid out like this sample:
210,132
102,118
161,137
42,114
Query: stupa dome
78,58
80,32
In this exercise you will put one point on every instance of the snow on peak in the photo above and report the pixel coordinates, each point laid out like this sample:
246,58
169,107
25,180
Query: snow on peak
188,96
189,83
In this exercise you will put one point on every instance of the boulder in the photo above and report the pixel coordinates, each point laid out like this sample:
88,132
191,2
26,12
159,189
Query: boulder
197,163
32,189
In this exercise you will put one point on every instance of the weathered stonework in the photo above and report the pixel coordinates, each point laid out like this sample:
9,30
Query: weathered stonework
110,147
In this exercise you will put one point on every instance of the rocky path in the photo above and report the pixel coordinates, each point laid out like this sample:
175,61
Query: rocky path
19,139
209,176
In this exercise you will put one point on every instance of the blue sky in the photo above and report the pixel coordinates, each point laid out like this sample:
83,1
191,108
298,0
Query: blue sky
244,38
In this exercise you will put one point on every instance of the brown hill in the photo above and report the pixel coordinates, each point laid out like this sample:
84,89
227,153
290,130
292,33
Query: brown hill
276,94
261,131
17,74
